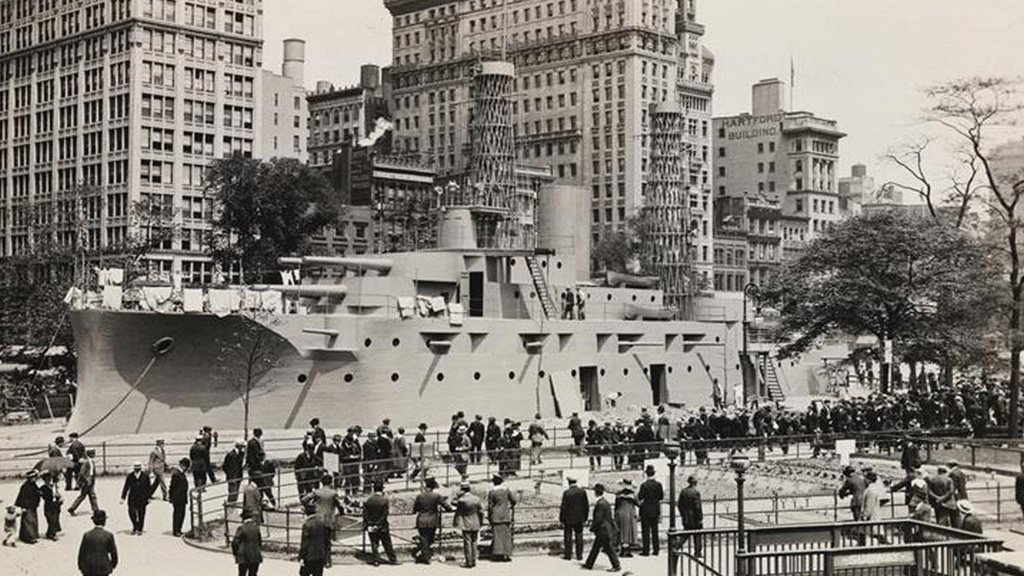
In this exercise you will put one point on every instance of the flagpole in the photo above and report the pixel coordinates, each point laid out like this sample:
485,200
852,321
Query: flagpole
792,82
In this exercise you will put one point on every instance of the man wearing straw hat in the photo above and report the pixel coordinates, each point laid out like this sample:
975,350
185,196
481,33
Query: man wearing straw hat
158,466
138,489
233,466
968,521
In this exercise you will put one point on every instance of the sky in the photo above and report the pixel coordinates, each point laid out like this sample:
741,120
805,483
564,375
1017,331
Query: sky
860,62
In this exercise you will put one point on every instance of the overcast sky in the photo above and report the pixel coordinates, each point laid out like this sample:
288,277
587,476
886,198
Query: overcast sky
860,62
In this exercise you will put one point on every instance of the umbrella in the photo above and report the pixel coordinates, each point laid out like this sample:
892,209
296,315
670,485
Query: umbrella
54,464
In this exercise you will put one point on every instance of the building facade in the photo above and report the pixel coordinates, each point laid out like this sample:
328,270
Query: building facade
285,115
120,102
783,164
344,115
587,73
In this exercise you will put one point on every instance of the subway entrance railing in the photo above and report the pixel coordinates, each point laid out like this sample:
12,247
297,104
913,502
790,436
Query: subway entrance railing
883,548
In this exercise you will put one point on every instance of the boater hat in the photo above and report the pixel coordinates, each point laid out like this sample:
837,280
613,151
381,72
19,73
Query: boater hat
965,507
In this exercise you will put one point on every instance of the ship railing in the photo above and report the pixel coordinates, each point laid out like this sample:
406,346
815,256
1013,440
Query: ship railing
214,515
116,457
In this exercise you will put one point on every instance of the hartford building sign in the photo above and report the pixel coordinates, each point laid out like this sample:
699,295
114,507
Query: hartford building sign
747,127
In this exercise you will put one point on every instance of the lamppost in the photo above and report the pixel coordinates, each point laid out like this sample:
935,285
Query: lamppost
739,463
750,291
672,451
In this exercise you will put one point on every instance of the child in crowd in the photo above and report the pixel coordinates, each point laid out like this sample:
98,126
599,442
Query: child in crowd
10,527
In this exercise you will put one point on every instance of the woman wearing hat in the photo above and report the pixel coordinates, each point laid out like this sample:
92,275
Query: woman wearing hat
500,505
28,500
626,516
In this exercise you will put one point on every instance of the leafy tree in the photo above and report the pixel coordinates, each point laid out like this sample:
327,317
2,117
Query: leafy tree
926,286
266,209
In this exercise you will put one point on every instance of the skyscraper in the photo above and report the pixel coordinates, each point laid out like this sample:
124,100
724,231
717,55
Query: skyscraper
587,74
119,102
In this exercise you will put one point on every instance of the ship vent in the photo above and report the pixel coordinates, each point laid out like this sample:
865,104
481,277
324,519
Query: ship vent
632,342
438,342
563,341
476,339
533,342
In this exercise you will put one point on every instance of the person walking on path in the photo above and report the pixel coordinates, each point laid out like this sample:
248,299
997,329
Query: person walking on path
76,452
1019,488
328,505
419,452
537,435
501,504
97,554
179,495
427,507
86,483
199,454
28,500
51,504
158,466
252,500
246,546
314,545
469,517
691,513
651,494
626,517
233,466
572,515
605,532
138,489
375,519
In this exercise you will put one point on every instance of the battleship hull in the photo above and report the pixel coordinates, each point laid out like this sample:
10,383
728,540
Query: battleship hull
413,370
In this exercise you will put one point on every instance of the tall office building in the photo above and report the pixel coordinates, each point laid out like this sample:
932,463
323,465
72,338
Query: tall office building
587,74
106,103
784,164
285,115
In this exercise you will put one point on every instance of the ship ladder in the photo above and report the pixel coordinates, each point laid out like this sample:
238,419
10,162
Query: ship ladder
771,378
541,285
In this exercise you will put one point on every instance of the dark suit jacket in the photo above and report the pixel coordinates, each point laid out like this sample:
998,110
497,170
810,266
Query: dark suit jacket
971,523
246,544
691,511
199,454
575,507
959,483
854,488
651,494
427,507
97,553
178,491
138,490
314,546
1019,488
604,523
254,454
234,463
375,511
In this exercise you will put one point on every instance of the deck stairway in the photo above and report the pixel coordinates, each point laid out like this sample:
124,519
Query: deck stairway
541,285
771,380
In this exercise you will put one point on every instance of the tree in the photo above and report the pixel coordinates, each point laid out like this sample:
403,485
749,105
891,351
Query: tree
247,354
978,113
920,284
266,209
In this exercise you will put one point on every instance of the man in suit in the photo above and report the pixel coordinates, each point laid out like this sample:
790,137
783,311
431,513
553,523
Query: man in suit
314,546
234,464
572,515
477,430
375,519
691,512
246,546
427,507
942,498
86,483
959,480
97,555
76,451
137,490
1019,488
469,517
910,458
328,505
968,521
605,530
158,466
179,495
199,454
651,494
491,437
853,486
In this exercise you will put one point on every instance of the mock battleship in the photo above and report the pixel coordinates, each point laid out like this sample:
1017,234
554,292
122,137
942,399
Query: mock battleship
476,324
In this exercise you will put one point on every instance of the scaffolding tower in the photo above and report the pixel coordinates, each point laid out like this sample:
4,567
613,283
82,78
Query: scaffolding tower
668,245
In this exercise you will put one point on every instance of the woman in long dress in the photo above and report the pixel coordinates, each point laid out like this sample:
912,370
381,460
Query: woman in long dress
500,503
626,515
28,500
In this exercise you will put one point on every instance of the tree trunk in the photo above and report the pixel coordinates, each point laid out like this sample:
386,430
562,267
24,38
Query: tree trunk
1015,340
883,378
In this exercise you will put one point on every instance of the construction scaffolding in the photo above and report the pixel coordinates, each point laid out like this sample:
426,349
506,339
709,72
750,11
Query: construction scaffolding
667,244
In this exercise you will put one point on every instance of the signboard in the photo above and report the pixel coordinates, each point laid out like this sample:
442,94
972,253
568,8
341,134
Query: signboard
844,448
874,559
582,476
747,127
888,352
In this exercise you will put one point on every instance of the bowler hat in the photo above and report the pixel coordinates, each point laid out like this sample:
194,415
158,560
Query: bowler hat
99,517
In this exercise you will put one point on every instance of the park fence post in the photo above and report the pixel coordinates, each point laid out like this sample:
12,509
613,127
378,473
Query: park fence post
103,451
227,528
999,499
714,510
192,511
287,529
279,484
835,505
199,509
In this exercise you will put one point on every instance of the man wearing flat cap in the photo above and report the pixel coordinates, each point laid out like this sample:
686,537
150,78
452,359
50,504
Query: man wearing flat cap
138,489
97,555
375,519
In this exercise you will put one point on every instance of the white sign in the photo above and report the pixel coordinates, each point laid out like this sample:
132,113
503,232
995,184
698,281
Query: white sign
844,448
660,470
582,476
888,352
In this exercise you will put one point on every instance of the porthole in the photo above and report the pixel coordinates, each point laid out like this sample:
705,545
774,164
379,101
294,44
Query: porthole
348,378
634,297
533,295
302,378
737,366
669,369
394,376
511,261
367,342
476,375
543,263
573,373
542,374
511,375
558,265
625,371
609,297
440,376
652,299
689,368
645,370
516,294
718,339
602,371
396,342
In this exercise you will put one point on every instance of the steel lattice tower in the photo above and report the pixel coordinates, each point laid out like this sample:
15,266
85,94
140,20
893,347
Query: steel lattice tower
667,245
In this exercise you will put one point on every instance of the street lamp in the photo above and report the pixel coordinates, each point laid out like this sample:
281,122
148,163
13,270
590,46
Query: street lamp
672,450
740,463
